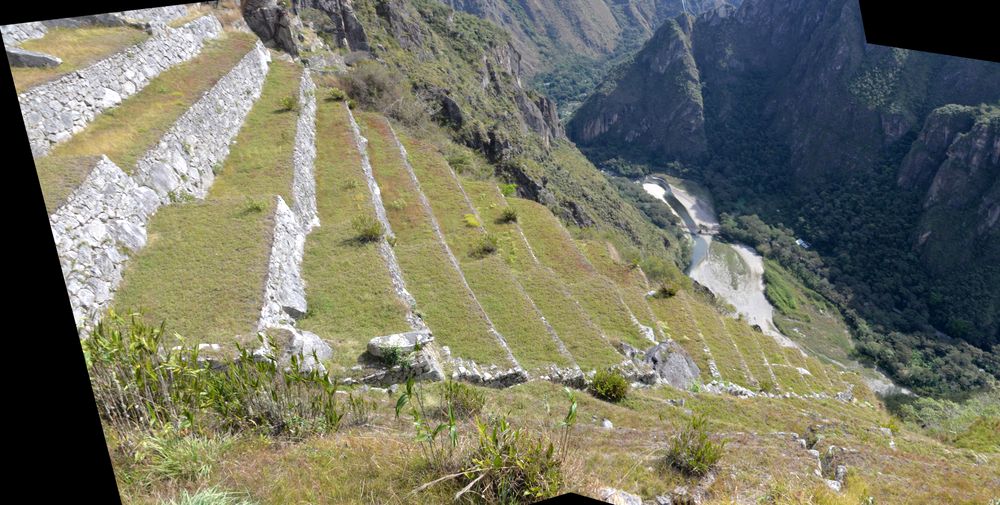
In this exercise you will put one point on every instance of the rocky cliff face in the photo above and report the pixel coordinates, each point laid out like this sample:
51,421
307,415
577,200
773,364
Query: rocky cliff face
955,165
546,32
672,126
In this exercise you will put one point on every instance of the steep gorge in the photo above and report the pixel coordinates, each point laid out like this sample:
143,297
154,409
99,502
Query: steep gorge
883,159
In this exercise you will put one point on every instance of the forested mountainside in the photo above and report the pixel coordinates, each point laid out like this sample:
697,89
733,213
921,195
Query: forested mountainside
566,47
884,160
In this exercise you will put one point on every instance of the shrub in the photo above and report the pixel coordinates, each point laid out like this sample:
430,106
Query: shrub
508,215
508,189
487,245
254,206
172,457
470,220
610,385
465,401
767,386
509,467
362,409
368,228
336,94
666,290
691,451
289,103
374,86
393,356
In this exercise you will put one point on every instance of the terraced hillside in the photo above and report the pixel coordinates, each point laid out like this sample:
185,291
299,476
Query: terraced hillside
240,193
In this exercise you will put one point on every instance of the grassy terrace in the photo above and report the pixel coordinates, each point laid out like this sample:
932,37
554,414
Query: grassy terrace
126,132
204,266
578,333
727,355
603,255
680,326
489,276
441,299
361,465
557,250
77,47
348,289
750,348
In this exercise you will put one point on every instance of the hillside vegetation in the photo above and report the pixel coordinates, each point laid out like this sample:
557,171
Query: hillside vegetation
549,313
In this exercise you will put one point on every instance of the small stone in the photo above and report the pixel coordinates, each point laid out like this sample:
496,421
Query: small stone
619,497
606,424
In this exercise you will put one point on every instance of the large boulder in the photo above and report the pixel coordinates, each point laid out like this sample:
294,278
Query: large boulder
404,342
673,365
23,58
276,26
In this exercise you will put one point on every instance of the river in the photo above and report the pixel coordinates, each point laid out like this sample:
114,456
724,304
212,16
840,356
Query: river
733,272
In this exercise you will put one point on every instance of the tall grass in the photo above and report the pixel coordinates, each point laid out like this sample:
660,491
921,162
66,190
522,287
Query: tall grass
692,451
141,385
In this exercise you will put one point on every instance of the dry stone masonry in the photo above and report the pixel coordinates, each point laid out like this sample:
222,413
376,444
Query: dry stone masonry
105,218
100,223
17,33
184,161
385,250
284,288
304,157
55,111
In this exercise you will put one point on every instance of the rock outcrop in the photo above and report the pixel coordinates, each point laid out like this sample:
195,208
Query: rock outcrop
336,20
23,58
672,126
275,24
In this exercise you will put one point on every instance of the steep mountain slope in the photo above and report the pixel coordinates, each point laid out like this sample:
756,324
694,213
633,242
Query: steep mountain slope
371,246
567,46
784,111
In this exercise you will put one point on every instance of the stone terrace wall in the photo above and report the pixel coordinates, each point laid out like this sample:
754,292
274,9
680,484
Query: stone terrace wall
55,111
284,288
106,217
15,34
155,15
102,220
188,154
304,157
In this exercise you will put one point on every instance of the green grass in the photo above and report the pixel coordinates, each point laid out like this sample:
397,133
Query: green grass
489,277
260,163
128,131
750,348
348,289
603,255
77,47
680,326
727,355
578,333
441,299
557,250
204,265
202,270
